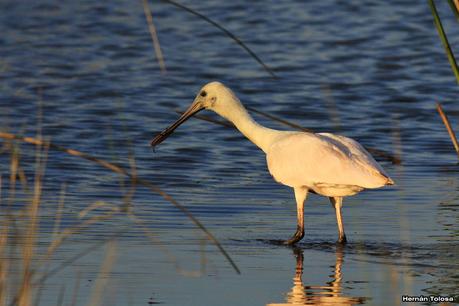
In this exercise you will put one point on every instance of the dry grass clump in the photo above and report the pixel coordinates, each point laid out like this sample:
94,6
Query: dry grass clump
20,282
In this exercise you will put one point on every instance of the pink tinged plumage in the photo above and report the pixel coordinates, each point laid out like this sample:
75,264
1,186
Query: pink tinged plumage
327,164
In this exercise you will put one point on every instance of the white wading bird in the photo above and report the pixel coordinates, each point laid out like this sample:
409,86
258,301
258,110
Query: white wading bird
330,165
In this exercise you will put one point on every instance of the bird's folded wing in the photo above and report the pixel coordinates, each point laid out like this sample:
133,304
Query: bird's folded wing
304,159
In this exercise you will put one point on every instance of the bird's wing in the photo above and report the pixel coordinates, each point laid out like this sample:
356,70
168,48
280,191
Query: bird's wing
307,159
359,154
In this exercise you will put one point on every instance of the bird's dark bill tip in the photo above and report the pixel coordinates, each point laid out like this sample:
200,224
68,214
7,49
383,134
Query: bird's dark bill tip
158,139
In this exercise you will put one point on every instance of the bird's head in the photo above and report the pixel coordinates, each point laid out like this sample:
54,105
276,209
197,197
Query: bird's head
213,96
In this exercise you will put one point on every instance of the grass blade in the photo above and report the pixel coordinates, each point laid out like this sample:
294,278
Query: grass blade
224,30
444,39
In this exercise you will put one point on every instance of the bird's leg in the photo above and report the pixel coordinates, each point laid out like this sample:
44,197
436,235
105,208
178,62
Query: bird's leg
337,202
300,197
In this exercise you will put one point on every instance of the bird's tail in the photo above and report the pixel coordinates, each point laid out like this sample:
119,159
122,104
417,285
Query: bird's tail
389,181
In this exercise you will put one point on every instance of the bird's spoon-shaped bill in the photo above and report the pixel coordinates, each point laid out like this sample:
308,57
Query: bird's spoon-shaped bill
193,109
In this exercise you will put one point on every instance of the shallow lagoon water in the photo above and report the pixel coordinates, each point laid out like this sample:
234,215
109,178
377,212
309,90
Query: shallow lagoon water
371,71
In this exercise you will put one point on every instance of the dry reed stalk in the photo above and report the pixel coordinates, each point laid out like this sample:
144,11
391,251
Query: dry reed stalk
74,258
102,279
149,234
60,207
3,259
60,298
71,231
454,5
76,289
25,295
154,240
14,165
397,144
202,263
76,229
154,36
4,262
13,150
56,227
9,225
131,191
94,206
25,292
39,282
203,256
451,133
119,170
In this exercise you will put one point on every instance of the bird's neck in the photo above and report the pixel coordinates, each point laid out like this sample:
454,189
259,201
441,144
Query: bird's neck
261,136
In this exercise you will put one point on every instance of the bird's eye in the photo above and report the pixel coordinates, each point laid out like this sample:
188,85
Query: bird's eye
203,93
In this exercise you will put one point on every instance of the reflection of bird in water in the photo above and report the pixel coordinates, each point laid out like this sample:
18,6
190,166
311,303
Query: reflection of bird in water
318,295
327,164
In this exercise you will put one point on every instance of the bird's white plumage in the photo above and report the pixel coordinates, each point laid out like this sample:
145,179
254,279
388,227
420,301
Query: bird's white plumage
329,164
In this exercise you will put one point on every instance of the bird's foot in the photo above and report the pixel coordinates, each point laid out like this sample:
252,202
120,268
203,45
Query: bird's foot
299,234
